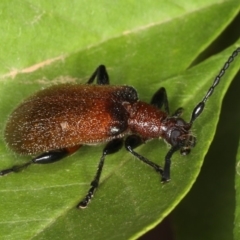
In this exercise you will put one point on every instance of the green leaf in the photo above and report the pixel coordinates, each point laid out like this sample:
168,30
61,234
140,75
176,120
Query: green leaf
146,46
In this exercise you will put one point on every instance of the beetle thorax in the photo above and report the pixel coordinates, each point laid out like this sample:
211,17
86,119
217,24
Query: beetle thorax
145,120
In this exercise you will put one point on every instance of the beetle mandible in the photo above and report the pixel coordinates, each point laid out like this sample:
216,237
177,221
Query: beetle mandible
57,121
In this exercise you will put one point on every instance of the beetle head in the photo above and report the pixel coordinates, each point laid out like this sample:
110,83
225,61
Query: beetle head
180,136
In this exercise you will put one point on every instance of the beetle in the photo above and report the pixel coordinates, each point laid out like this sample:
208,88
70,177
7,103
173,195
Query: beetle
57,121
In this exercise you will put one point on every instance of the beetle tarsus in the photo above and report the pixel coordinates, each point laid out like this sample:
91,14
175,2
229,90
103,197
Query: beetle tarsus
5,172
165,180
15,169
84,203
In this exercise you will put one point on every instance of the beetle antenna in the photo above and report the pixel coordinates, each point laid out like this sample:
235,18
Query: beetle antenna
200,106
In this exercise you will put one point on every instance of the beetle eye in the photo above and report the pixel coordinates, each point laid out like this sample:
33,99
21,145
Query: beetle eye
174,137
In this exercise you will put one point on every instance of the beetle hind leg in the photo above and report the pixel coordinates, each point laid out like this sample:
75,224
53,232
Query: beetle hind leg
48,157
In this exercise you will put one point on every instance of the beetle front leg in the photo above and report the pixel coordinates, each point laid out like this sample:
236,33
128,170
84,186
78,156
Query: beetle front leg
45,158
134,141
167,165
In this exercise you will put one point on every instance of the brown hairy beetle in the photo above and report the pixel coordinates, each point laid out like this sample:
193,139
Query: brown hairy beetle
57,121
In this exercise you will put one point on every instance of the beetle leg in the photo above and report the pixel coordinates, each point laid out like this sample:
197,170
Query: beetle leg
178,112
16,168
101,75
112,147
48,157
167,165
134,141
54,156
160,99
